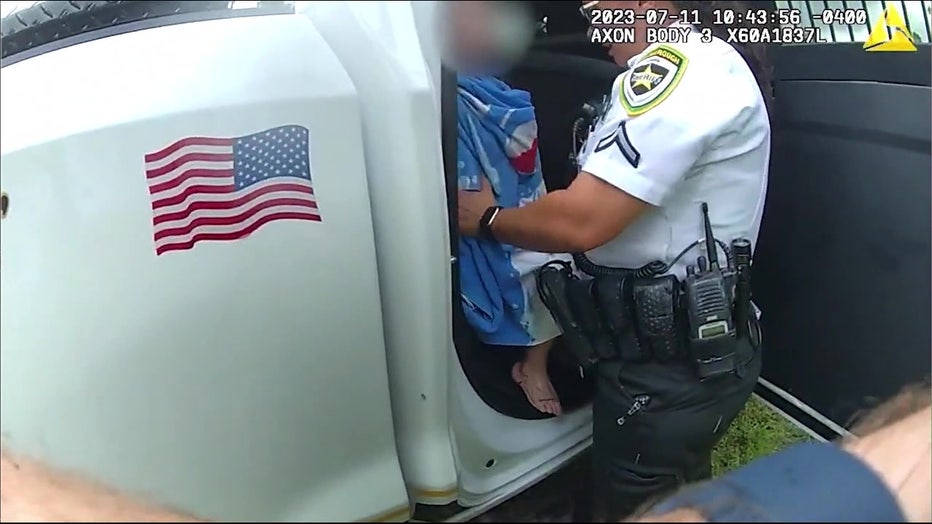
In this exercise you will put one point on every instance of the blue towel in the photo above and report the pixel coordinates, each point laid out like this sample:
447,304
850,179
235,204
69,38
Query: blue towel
497,132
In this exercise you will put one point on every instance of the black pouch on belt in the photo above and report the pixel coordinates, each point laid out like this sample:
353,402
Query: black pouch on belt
655,303
612,294
562,292
582,301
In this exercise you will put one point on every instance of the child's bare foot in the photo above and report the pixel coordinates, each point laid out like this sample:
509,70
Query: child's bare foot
531,375
537,388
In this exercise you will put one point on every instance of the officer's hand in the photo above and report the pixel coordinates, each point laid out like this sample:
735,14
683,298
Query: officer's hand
472,204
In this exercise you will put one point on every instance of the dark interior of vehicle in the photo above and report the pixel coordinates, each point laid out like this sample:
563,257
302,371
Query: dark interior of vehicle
842,269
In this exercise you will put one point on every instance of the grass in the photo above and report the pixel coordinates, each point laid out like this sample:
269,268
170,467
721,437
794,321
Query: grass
757,431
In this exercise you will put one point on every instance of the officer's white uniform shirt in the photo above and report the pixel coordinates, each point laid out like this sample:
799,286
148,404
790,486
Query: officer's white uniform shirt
687,124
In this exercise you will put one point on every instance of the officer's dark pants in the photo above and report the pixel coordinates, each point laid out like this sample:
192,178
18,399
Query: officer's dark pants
646,455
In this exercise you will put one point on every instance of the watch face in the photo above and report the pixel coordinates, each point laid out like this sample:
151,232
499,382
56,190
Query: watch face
485,222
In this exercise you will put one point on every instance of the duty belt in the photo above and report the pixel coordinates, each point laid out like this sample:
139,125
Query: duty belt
645,313
613,317
626,317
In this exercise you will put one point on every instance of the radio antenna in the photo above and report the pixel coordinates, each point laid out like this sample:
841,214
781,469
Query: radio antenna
710,247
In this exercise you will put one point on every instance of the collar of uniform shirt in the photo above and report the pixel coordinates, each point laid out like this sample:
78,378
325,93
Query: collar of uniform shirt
584,216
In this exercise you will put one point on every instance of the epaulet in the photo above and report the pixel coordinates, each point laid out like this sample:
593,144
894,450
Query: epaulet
652,79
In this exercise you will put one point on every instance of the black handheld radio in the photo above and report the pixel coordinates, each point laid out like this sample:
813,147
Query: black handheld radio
709,309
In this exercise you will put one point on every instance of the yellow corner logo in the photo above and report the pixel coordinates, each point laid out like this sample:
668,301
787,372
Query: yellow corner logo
890,33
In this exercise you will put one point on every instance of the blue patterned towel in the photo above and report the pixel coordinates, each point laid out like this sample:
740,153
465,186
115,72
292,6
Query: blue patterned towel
497,131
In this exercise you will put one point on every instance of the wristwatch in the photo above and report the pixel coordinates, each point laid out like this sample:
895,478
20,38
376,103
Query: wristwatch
485,223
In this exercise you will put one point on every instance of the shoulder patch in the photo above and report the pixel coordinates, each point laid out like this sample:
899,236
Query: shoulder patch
651,80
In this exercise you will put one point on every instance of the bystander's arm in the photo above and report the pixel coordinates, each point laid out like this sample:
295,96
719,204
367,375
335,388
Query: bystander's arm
896,442
30,492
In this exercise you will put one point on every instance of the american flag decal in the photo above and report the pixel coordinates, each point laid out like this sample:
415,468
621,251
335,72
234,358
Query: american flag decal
207,188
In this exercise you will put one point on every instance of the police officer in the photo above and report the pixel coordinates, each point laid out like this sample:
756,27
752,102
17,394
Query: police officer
687,124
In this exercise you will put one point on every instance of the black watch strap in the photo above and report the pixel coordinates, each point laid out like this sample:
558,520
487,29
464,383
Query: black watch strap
485,223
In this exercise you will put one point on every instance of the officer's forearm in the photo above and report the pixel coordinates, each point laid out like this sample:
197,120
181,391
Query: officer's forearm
551,224
32,493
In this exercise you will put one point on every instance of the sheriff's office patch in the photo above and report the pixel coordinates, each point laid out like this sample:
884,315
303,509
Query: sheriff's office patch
652,79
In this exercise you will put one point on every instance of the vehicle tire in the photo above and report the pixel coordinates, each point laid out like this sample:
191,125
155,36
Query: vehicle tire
47,22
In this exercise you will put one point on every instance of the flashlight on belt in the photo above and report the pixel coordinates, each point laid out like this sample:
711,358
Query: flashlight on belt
741,249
